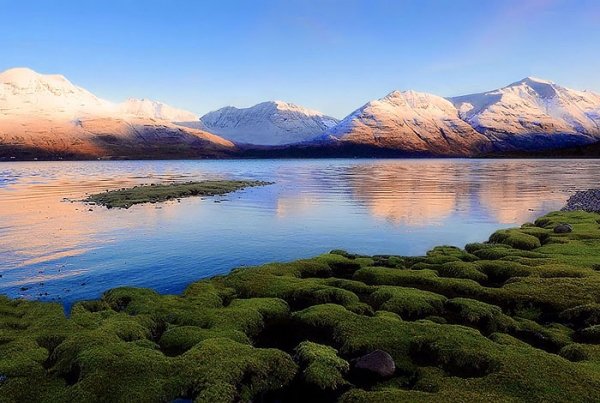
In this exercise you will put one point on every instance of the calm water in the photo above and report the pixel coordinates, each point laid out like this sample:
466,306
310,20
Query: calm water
55,249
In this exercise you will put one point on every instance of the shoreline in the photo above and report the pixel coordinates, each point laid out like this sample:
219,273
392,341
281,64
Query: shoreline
356,328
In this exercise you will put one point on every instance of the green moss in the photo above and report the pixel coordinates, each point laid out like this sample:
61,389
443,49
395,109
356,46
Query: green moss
574,352
427,280
409,303
500,271
589,334
241,371
516,239
179,339
125,198
582,315
450,251
321,366
488,318
461,270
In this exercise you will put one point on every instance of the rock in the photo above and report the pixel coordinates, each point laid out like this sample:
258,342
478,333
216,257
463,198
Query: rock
563,228
376,364
587,200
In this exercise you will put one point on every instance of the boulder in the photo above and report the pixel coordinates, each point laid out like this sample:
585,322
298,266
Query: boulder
377,364
563,228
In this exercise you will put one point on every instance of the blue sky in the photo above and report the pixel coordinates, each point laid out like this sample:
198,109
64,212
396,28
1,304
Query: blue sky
329,55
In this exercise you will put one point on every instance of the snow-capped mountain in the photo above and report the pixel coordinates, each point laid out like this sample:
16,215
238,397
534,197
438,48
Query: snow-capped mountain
268,123
532,114
24,92
49,116
155,110
410,121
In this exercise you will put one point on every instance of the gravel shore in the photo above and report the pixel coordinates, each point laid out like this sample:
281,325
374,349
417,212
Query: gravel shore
587,200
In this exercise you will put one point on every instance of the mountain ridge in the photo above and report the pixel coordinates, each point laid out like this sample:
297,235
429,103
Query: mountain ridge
47,115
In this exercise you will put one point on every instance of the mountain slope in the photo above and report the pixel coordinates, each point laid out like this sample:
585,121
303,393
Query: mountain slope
533,114
412,122
267,123
47,116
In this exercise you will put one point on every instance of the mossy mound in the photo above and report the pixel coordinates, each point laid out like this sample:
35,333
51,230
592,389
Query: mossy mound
513,319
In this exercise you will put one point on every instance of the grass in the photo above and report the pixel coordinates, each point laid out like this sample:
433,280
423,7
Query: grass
156,193
516,318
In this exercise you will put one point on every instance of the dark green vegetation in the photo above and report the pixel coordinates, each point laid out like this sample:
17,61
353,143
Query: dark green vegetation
515,319
125,198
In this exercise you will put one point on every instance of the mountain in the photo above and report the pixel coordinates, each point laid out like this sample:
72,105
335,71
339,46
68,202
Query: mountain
412,122
268,123
23,93
47,116
533,114
155,110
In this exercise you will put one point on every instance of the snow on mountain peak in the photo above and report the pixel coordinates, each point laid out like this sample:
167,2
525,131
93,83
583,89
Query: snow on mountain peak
411,100
27,93
24,92
18,75
155,110
534,80
267,123
284,106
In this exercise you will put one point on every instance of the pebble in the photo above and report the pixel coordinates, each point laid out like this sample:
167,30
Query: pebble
587,200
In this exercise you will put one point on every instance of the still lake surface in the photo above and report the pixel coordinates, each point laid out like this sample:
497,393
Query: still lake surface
55,248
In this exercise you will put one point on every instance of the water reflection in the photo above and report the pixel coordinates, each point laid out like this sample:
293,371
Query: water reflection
408,194
53,248
423,193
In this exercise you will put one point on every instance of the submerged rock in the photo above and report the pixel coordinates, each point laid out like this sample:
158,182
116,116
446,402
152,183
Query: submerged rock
563,228
376,364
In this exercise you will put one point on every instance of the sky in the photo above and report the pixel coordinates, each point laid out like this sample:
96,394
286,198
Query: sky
329,55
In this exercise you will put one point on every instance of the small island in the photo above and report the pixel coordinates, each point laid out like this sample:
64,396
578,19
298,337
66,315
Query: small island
155,193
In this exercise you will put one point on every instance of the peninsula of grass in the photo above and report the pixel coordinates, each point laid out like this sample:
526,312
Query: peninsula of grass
513,319
156,193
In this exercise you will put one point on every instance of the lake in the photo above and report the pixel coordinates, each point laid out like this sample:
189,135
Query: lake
53,247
